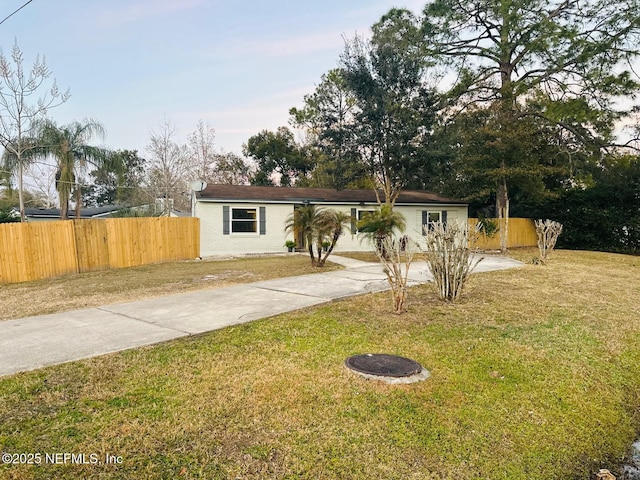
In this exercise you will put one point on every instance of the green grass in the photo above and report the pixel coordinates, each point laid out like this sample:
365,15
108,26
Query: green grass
535,375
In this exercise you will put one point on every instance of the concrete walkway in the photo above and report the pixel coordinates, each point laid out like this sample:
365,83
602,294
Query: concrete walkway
35,342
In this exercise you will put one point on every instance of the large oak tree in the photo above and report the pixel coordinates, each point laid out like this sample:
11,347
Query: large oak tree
278,158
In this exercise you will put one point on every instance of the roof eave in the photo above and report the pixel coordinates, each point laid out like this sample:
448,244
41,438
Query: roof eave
323,202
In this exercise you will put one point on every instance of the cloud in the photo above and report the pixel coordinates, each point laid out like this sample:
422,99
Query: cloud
302,45
141,9
375,10
235,125
288,47
272,106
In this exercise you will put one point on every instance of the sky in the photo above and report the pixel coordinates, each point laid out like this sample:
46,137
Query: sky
237,65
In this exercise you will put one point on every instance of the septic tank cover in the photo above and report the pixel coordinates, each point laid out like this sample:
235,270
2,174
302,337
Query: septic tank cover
383,365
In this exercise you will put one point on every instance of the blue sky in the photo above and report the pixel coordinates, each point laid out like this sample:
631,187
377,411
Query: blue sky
238,65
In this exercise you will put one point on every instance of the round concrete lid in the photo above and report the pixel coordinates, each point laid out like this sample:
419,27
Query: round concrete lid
384,365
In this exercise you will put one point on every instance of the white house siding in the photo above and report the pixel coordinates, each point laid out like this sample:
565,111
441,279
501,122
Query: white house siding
214,242
413,217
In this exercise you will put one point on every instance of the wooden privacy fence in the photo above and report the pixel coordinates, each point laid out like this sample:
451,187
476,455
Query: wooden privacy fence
32,251
521,233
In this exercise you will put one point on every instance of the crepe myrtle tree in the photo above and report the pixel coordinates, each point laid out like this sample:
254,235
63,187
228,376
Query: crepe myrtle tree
396,255
547,232
448,256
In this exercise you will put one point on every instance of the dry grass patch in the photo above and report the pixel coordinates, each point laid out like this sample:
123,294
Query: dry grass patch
122,285
535,375
362,256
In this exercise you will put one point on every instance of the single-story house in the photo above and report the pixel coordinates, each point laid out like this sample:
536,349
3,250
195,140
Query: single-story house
237,219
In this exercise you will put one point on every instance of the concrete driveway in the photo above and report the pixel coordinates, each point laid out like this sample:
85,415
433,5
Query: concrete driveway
35,342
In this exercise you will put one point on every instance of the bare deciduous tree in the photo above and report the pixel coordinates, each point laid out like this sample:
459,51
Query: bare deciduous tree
548,232
202,155
168,169
205,163
20,112
43,179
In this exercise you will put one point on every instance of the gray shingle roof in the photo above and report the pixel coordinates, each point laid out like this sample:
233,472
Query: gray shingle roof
313,195
89,212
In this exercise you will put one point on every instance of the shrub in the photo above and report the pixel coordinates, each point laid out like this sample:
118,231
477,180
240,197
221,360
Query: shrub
396,257
548,232
448,256
8,215
380,224
488,226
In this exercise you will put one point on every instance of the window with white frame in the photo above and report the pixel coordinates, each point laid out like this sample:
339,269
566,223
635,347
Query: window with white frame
244,220
430,217
433,217
363,213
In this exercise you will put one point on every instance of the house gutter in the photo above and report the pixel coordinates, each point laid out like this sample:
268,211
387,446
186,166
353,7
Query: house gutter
320,201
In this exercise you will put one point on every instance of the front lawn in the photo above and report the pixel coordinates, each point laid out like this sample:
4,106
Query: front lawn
94,289
535,375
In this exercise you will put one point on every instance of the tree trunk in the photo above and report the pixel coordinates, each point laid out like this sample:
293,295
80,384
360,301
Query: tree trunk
78,200
507,104
64,207
23,217
502,207
310,248
334,240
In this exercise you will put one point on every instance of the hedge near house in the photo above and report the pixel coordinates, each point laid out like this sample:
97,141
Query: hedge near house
7,215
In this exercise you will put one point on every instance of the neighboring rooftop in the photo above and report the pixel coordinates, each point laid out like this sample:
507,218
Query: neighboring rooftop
89,212
313,195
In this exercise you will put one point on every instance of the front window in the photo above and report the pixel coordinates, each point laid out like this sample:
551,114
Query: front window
364,213
244,220
432,218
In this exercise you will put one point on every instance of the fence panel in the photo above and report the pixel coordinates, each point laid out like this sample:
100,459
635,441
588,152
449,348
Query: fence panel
522,233
123,243
36,250
141,241
31,251
91,244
